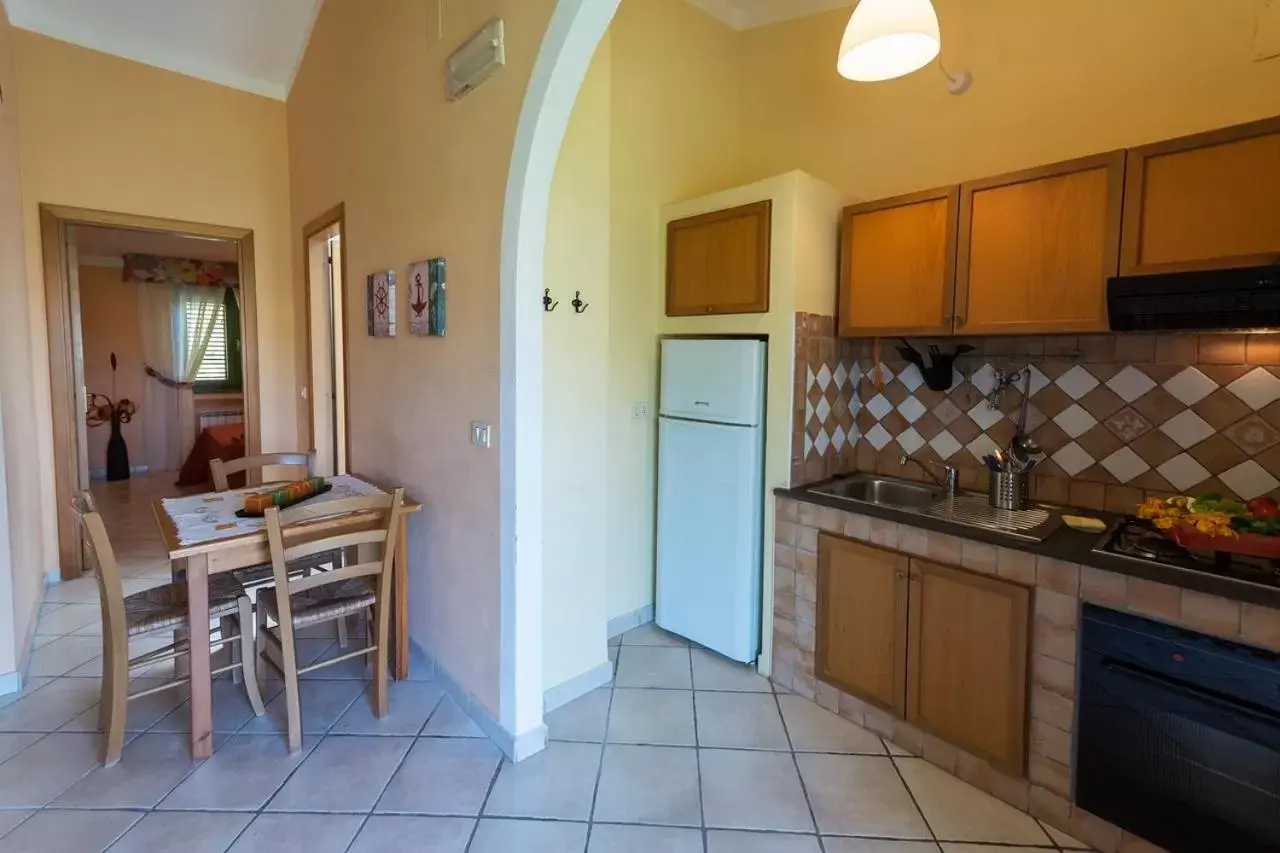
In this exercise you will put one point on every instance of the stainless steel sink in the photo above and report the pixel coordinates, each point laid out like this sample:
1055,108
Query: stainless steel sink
966,509
885,491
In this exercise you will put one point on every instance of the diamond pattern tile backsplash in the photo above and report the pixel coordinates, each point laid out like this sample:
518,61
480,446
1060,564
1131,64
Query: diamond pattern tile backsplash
1119,416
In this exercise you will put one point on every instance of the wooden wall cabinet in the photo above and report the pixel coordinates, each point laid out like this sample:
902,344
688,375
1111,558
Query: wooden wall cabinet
861,644
967,661
1036,248
897,265
1203,202
718,263
943,648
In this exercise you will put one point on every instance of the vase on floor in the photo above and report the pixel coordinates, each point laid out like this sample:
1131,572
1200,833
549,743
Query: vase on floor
117,454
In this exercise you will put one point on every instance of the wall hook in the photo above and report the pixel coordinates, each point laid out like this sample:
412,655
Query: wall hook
578,305
547,304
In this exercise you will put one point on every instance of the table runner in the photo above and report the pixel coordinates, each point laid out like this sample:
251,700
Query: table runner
211,516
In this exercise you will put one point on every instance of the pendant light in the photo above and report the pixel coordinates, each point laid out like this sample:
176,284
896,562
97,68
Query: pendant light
887,39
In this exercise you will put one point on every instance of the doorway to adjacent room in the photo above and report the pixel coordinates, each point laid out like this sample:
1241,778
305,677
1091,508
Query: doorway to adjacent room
326,314
152,345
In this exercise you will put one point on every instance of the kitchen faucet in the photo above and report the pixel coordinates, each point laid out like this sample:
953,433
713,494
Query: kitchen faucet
949,481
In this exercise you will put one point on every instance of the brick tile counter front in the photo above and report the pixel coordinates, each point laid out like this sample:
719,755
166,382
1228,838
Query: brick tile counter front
1059,588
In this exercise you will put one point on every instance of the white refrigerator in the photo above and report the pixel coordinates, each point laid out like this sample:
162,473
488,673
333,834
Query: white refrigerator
711,493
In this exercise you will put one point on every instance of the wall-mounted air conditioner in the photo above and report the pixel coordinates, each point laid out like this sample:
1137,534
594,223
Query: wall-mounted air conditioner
475,62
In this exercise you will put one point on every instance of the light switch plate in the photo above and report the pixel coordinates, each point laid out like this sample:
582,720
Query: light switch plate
639,411
481,434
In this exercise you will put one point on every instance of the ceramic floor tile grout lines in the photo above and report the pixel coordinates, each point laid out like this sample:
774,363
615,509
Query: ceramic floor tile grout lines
795,762
697,754
435,710
604,745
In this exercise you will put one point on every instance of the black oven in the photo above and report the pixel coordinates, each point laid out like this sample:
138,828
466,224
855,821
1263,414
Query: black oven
1178,735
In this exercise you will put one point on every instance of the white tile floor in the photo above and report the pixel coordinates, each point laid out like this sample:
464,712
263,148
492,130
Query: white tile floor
687,753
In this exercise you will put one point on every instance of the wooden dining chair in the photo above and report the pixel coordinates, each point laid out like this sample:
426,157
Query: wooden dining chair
253,577
161,608
363,587
222,471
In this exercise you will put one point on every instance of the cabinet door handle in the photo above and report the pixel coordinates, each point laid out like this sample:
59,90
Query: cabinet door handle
901,575
959,320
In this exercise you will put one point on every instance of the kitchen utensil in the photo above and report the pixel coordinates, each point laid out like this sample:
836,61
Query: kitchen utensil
940,370
1008,490
1024,449
992,463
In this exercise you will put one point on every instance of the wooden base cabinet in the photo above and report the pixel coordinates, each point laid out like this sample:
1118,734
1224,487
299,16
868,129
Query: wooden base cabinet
862,621
943,648
967,661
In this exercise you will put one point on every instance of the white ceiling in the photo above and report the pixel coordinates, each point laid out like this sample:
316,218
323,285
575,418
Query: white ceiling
254,45
745,14
92,242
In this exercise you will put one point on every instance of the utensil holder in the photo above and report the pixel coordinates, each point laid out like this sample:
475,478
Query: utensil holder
1008,490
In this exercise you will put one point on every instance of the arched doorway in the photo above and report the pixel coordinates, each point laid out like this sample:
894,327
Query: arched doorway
576,28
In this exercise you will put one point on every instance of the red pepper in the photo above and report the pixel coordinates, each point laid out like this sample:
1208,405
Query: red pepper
1263,508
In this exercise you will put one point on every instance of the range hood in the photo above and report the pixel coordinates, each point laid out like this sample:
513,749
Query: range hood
1209,300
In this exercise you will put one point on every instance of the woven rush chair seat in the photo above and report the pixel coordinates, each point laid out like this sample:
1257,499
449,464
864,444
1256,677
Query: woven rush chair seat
165,606
323,603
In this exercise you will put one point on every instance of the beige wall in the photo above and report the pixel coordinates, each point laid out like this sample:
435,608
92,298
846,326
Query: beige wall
1052,81
108,134
675,72
109,312
369,126
575,367
22,555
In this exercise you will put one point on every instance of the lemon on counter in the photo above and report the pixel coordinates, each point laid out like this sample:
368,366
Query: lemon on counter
1084,525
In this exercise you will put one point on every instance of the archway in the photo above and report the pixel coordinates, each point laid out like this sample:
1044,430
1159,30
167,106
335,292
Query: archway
576,29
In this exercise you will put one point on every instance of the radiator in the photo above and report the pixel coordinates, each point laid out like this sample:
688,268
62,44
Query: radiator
211,418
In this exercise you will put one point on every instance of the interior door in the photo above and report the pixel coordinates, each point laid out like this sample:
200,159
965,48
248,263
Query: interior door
328,415
71,260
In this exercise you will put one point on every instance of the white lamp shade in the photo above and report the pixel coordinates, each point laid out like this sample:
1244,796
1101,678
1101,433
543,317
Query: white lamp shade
887,39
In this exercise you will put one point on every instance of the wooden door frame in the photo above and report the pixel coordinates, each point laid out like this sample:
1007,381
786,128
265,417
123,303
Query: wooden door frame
61,318
336,215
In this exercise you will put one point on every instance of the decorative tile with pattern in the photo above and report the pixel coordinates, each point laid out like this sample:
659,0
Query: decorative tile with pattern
1155,425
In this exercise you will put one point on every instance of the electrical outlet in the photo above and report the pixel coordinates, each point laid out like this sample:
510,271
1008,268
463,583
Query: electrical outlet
481,434
639,411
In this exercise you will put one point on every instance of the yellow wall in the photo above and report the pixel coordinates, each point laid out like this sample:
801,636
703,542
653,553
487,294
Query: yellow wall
109,324
675,72
23,559
105,133
369,126
575,351
1052,81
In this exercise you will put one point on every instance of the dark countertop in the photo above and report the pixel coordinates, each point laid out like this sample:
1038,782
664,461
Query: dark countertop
1063,544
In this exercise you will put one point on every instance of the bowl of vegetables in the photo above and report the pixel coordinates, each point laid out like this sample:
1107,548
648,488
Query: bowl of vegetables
1211,522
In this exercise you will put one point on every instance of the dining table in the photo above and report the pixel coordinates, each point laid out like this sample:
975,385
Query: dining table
204,537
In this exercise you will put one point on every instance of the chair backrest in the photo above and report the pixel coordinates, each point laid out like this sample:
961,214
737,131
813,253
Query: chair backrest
110,588
304,531
222,470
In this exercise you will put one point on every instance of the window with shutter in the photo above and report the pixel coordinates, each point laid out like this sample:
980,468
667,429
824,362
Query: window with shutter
220,368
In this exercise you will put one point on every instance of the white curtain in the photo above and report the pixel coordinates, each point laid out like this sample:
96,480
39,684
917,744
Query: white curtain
177,322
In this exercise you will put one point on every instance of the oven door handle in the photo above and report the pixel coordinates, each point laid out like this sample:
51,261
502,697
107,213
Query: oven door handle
1254,712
